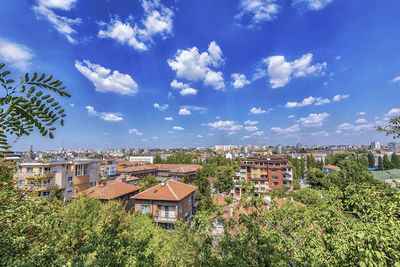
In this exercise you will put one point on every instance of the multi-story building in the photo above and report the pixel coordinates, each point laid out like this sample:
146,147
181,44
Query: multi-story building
167,203
70,176
375,145
148,159
267,173
394,147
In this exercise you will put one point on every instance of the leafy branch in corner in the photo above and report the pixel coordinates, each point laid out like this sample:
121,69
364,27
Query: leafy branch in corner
392,128
27,106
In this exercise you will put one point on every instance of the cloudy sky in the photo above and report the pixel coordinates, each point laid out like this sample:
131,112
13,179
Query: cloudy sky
155,73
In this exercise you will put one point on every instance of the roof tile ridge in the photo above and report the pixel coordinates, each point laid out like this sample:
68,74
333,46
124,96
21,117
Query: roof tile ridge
172,191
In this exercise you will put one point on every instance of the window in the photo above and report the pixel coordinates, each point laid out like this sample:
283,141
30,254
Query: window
145,208
45,194
93,165
190,201
46,182
70,180
180,208
78,170
70,189
91,184
29,169
275,177
21,182
46,170
85,169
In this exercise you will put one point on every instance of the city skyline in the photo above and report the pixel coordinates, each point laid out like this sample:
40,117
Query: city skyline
160,74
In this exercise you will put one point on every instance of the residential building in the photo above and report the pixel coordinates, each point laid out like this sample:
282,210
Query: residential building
167,203
330,168
114,190
70,176
280,149
394,147
148,159
375,145
176,172
267,173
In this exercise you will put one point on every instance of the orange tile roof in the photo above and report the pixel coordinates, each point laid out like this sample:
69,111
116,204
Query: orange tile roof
171,191
329,166
111,190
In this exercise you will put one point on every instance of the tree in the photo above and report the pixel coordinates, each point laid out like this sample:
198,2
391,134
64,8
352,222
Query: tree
224,181
371,160
392,128
157,159
395,160
380,164
148,182
315,177
387,165
27,106
302,168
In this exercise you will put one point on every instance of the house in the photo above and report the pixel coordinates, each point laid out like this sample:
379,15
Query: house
330,168
113,190
167,203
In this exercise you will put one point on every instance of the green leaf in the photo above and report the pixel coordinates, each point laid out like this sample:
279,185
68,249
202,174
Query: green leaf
41,77
48,79
2,65
34,77
26,77
51,135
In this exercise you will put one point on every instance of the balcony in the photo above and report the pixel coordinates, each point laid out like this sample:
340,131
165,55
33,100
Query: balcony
165,219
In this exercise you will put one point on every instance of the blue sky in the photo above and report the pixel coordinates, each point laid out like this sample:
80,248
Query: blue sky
200,73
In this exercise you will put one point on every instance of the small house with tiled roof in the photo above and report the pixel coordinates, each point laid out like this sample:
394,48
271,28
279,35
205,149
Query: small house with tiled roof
167,203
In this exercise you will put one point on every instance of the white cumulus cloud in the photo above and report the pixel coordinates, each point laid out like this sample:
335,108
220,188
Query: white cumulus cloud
106,116
313,119
239,80
193,66
249,122
394,112
16,55
188,91
251,128
312,4
106,80
228,126
184,111
282,71
160,107
291,129
361,121
169,119
255,110
157,21
339,97
258,11
178,128
63,24
135,131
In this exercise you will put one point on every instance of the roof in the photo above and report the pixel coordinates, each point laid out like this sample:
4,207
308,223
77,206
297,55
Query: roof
170,191
329,166
111,190
175,168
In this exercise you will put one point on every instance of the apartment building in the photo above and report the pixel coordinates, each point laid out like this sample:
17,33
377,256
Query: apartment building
167,203
70,176
176,172
267,173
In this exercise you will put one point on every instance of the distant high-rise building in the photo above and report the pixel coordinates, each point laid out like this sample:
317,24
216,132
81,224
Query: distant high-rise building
394,146
375,145
279,149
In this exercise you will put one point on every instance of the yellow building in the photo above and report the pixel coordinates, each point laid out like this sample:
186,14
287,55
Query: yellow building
70,176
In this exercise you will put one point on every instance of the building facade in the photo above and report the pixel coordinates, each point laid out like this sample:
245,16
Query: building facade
70,176
267,173
167,203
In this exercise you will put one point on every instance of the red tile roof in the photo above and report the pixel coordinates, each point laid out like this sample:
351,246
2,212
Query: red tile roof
329,166
111,190
170,191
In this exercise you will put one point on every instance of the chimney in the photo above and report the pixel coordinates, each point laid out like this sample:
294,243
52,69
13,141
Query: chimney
231,209
163,183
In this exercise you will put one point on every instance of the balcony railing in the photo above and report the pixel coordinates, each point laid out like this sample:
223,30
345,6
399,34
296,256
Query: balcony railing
165,219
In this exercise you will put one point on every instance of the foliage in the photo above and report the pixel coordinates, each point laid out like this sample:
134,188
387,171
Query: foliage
147,182
224,181
392,128
315,177
27,106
